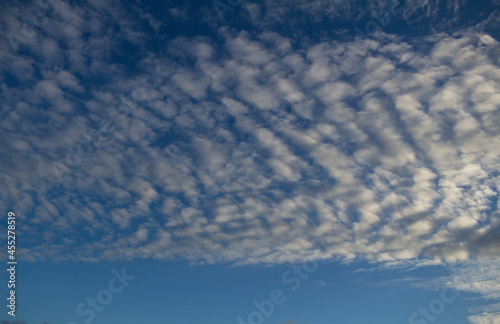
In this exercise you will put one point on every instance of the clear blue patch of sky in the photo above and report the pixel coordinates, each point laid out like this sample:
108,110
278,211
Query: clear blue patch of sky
175,292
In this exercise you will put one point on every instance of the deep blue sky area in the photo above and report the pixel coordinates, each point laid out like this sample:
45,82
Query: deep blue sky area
250,162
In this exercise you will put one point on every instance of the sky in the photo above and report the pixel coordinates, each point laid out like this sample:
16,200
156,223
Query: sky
237,161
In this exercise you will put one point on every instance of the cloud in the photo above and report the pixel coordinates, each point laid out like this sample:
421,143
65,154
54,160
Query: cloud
254,149
477,277
320,283
485,314
257,146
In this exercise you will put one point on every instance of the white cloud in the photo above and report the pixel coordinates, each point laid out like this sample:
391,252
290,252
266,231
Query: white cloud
255,150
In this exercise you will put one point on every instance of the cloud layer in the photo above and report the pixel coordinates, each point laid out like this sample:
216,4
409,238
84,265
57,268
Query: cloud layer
252,146
253,149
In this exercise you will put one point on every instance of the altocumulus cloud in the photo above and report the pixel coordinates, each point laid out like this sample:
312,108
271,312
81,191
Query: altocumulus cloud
384,149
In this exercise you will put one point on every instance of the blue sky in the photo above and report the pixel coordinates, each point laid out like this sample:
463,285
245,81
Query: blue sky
252,162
